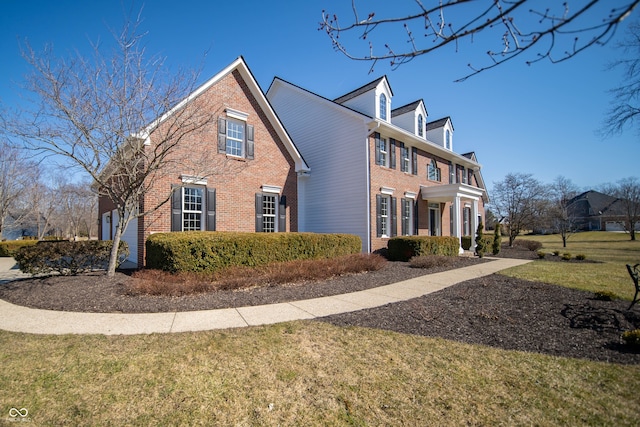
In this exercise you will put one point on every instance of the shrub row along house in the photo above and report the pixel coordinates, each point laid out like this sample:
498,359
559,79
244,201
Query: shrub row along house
302,162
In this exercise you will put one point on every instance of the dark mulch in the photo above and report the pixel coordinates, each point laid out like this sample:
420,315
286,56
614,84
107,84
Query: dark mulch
495,310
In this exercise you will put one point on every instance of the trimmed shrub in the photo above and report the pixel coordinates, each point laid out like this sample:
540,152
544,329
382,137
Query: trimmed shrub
403,248
531,245
11,247
581,257
465,242
556,253
431,261
215,250
67,258
481,242
541,254
632,338
497,239
566,256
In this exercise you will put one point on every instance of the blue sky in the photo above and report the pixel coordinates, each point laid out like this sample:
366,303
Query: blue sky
540,119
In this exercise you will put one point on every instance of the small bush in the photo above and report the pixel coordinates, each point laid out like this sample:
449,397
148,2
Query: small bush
566,256
481,242
11,247
581,257
497,239
159,282
531,245
210,251
556,253
465,242
632,338
67,258
431,261
406,247
604,295
541,254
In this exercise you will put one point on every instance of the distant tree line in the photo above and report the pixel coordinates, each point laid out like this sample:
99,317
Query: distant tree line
521,203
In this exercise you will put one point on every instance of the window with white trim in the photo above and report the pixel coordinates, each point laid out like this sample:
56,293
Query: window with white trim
433,171
407,217
269,210
235,138
405,159
384,215
192,204
448,139
193,208
420,126
383,106
384,155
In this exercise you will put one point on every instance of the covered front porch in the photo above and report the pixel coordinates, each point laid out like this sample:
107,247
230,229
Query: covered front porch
465,207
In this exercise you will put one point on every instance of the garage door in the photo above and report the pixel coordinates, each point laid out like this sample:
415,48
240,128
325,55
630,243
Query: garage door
130,236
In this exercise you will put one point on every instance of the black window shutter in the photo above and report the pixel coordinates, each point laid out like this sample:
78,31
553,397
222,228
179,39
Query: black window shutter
282,214
378,216
250,145
222,135
394,217
414,160
377,138
405,220
258,212
392,153
176,208
211,209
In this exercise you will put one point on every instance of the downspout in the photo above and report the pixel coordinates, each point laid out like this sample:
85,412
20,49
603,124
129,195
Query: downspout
368,172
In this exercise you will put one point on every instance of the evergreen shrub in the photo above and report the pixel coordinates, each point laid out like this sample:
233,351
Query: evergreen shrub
67,258
10,247
200,251
403,248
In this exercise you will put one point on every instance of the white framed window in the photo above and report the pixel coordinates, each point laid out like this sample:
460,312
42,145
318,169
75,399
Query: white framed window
433,171
405,159
269,211
192,206
448,139
383,150
384,216
407,217
235,138
383,106
420,125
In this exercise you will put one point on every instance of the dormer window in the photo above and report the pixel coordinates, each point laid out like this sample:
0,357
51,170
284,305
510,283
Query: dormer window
448,140
383,106
420,127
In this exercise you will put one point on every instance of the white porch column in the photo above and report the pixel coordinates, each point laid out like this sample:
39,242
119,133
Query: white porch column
456,221
474,223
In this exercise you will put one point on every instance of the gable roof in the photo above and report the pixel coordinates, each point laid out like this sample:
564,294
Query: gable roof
407,108
598,202
363,89
439,123
239,65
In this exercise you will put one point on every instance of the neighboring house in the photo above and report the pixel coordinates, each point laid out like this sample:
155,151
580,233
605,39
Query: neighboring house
18,226
378,172
595,211
259,195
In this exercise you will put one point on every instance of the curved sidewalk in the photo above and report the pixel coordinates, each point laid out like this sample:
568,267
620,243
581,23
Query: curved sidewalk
28,320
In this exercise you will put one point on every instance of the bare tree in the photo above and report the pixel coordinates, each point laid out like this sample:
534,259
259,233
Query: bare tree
550,30
563,190
520,200
17,174
117,116
627,205
625,105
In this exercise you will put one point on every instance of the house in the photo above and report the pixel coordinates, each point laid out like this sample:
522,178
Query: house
378,171
257,190
595,211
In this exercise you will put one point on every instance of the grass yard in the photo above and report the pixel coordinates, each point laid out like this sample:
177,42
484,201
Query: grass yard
304,373
613,250
314,374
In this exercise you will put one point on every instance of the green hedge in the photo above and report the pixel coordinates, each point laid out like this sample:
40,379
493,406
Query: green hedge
67,258
10,247
406,247
211,251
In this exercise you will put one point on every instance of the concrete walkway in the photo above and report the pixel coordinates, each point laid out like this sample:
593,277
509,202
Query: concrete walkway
28,320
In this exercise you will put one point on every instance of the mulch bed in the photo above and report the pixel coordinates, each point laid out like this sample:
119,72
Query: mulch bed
496,310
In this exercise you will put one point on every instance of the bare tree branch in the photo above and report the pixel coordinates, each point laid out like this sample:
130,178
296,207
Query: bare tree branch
516,26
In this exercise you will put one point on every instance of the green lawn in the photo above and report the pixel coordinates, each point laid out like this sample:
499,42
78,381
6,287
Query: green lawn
314,374
612,250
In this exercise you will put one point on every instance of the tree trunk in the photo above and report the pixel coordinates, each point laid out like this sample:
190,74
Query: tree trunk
633,233
564,241
113,258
